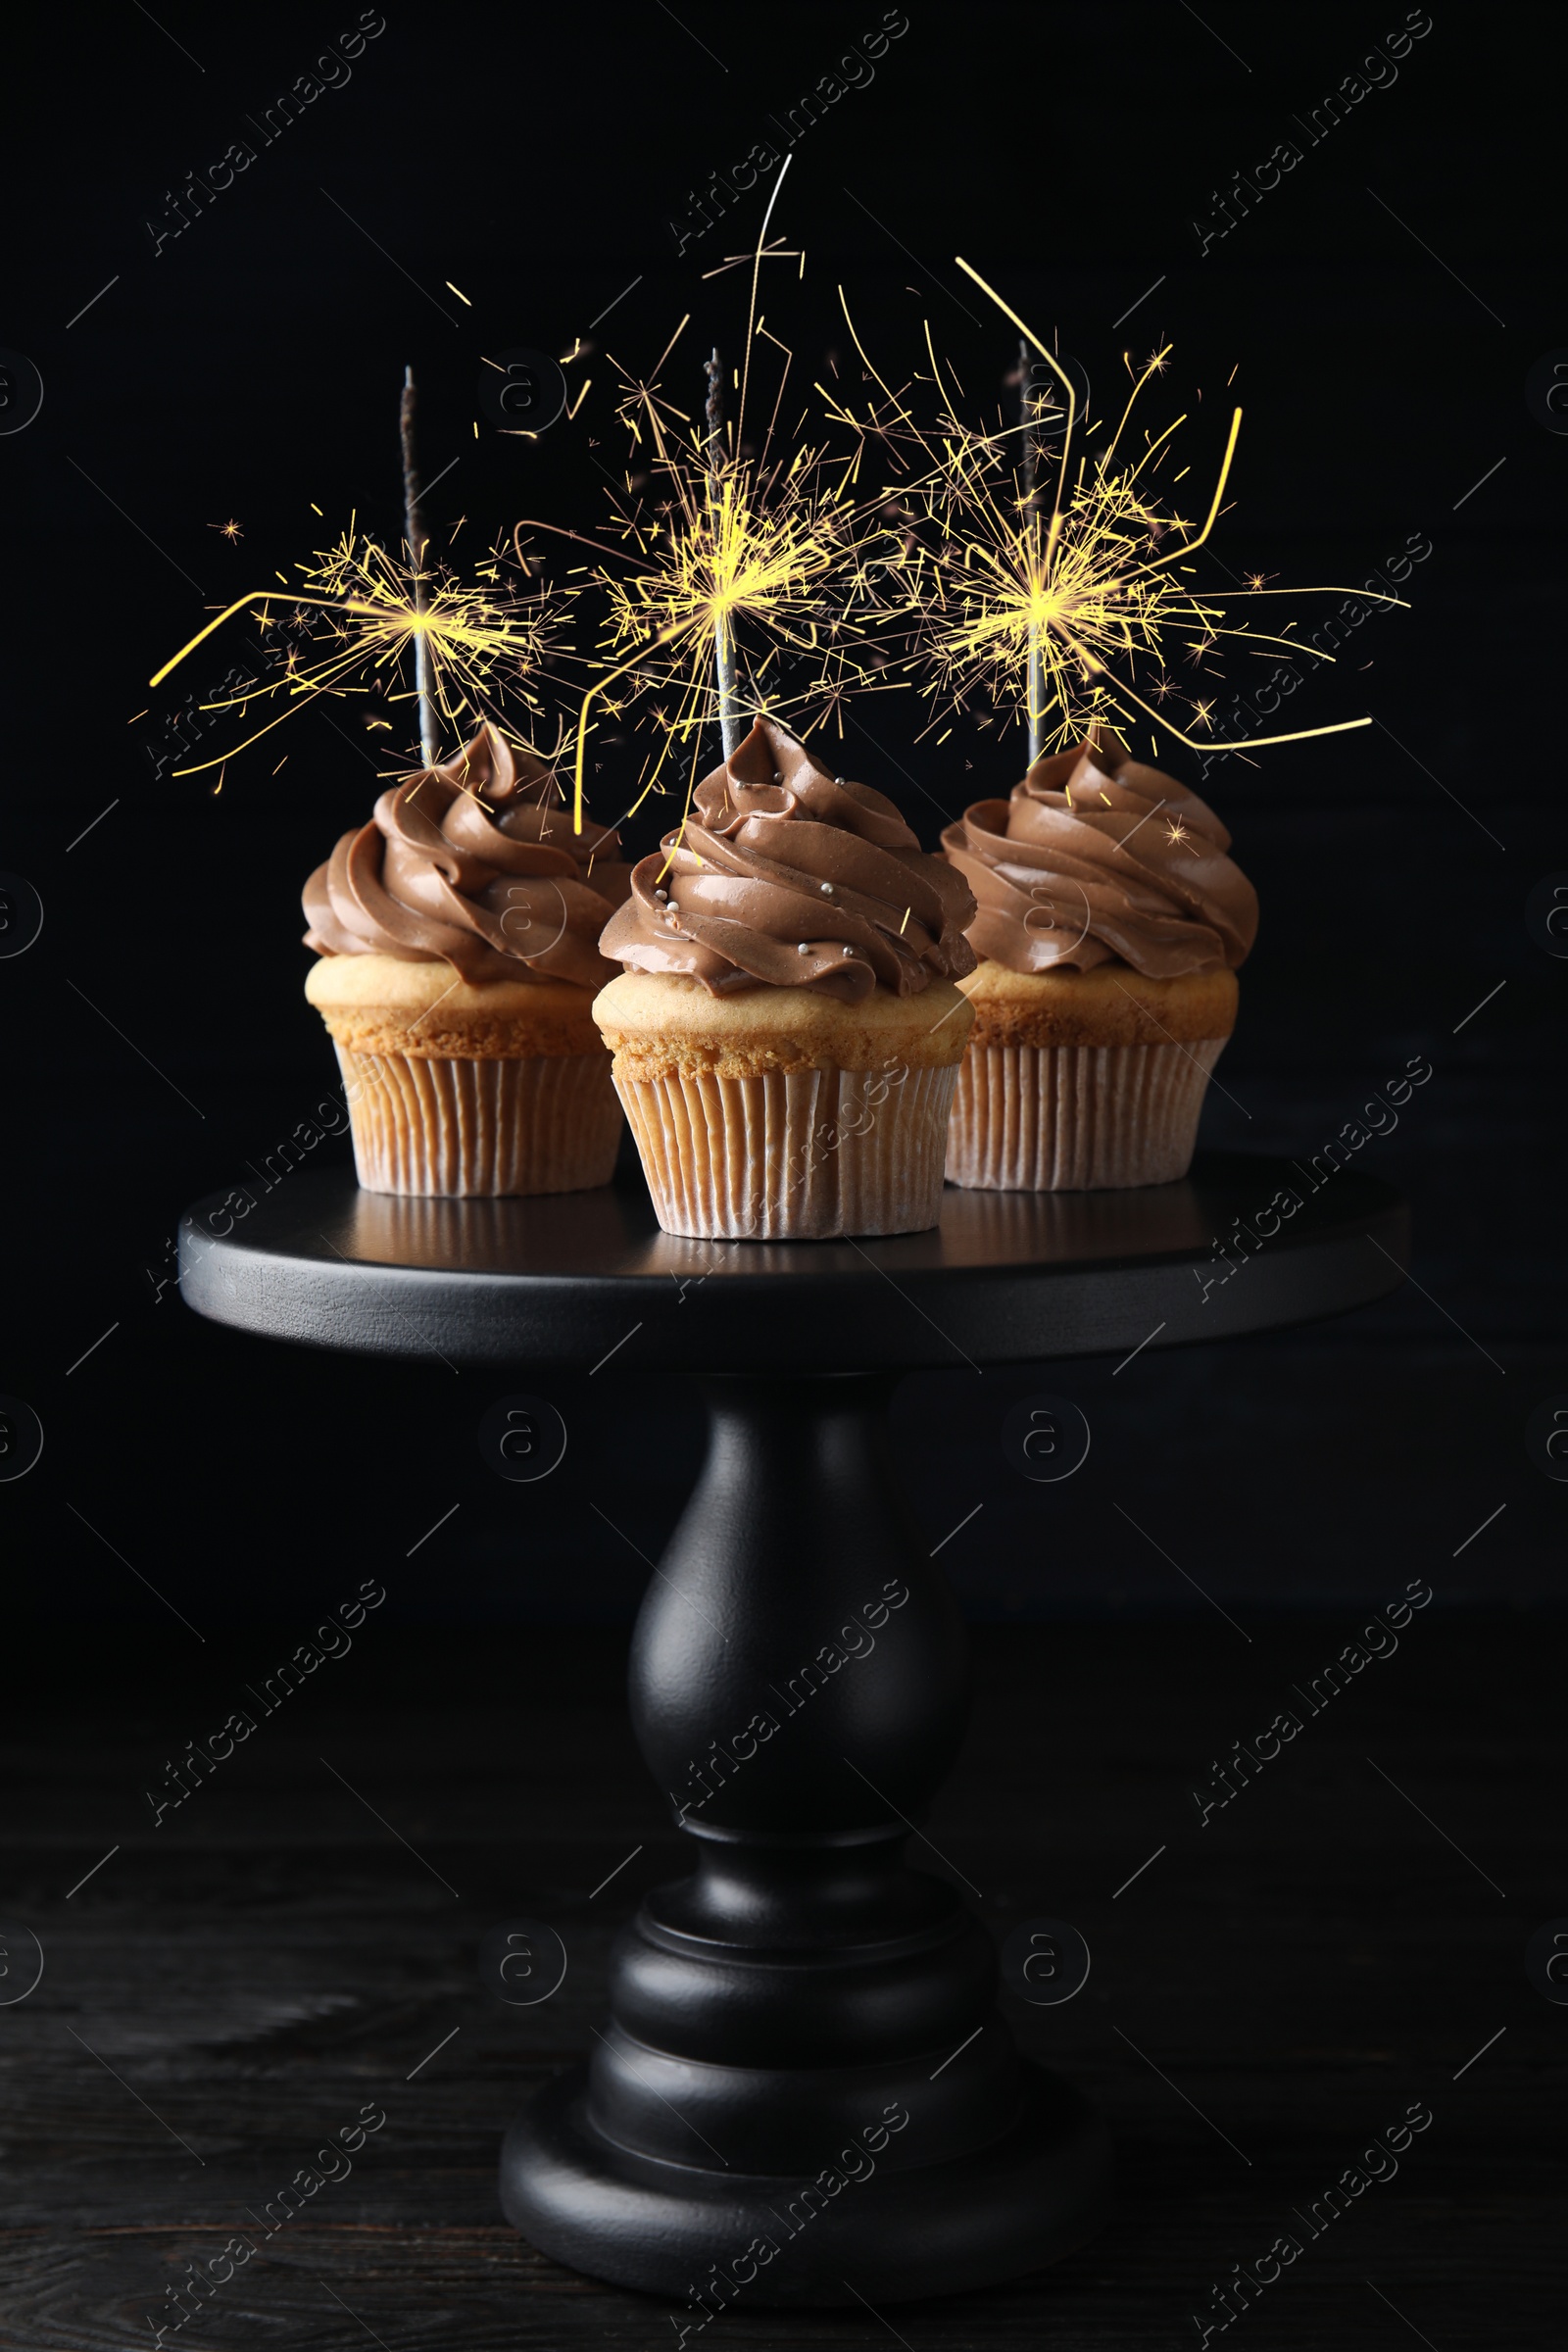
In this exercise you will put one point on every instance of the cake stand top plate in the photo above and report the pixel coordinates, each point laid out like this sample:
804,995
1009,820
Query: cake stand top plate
583,1280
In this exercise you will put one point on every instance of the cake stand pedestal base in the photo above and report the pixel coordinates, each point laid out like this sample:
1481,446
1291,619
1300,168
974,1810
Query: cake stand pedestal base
709,2238
803,2092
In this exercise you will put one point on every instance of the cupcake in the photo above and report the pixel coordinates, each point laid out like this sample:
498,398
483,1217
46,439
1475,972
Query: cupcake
1109,924
458,968
786,1030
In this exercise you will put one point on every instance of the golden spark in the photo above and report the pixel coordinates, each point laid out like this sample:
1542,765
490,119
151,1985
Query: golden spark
229,530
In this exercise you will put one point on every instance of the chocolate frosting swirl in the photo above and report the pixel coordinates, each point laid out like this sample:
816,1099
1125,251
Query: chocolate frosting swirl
1096,859
474,862
783,876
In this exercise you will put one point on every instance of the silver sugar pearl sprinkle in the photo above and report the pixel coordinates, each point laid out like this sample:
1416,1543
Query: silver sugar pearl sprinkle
845,950
838,779
826,889
803,948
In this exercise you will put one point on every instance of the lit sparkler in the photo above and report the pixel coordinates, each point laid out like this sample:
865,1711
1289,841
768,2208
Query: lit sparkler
362,616
416,539
734,579
1061,605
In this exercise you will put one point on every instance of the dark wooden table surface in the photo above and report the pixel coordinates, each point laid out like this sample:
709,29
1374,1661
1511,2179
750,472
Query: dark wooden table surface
1267,1997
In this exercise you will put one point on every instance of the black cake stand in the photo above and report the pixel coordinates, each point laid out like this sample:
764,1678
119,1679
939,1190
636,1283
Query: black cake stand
805,2091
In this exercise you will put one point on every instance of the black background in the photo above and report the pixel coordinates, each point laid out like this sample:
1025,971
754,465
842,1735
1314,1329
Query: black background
159,1042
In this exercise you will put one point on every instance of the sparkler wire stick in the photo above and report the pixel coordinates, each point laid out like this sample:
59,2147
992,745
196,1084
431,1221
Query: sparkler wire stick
729,718
418,539
1031,459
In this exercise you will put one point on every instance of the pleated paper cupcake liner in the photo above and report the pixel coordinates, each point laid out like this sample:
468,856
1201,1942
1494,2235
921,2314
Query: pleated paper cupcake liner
539,1123
1077,1118
792,1156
